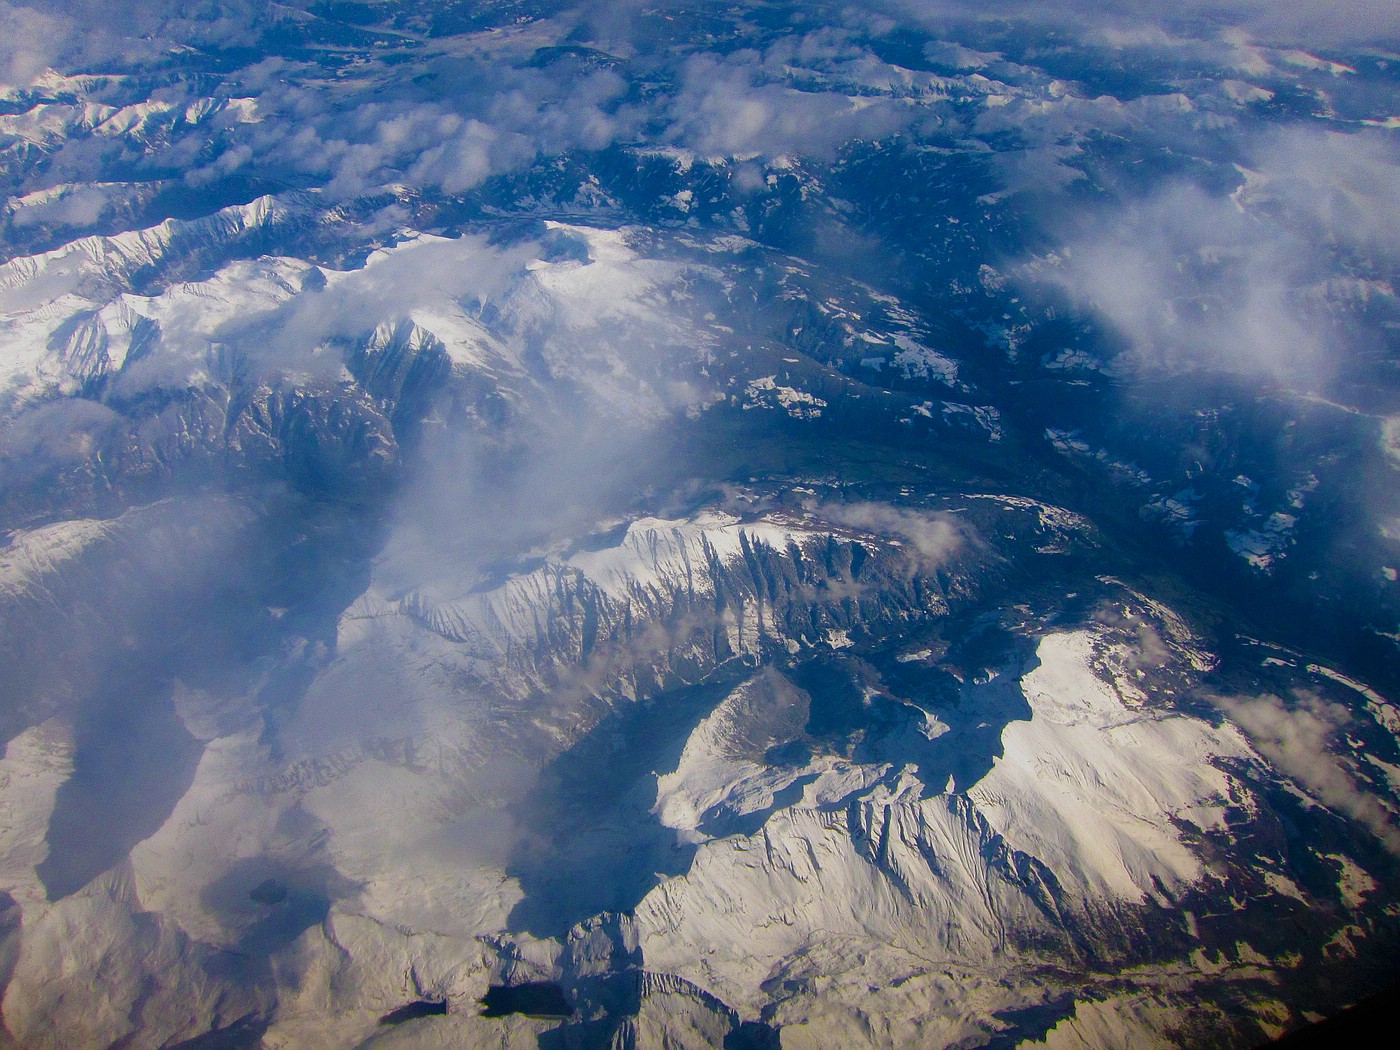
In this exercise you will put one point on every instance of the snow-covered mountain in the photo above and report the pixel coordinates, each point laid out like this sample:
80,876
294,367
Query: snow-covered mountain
769,527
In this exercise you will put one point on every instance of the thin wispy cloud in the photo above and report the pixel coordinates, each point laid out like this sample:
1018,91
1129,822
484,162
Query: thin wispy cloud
1299,736
1197,280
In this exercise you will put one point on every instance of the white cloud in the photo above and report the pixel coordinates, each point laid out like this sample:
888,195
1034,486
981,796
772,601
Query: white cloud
94,35
725,109
1198,281
1297,737
34,41
61,435
63,206
463,119
1313,23
1192,282
935,537
1335,188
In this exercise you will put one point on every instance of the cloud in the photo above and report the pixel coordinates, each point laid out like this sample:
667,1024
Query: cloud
34,41
1297,738
1150,650
492,103
1194,280
1305,22
723,109
600,345
577,338
489,110
1053,124
96,36
463,119
480,107
75,206
50,439
1190,282
935,537
1338,190
466,156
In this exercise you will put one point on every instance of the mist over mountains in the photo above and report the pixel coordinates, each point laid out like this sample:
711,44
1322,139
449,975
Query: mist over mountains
768,524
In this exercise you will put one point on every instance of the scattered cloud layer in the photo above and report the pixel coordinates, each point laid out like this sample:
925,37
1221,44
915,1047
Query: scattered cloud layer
36,41
935,537
1243,282
1299,737
1309,22
726,108
91,36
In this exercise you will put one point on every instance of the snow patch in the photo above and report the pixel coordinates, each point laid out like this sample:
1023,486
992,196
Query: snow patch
1094,788
766,392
